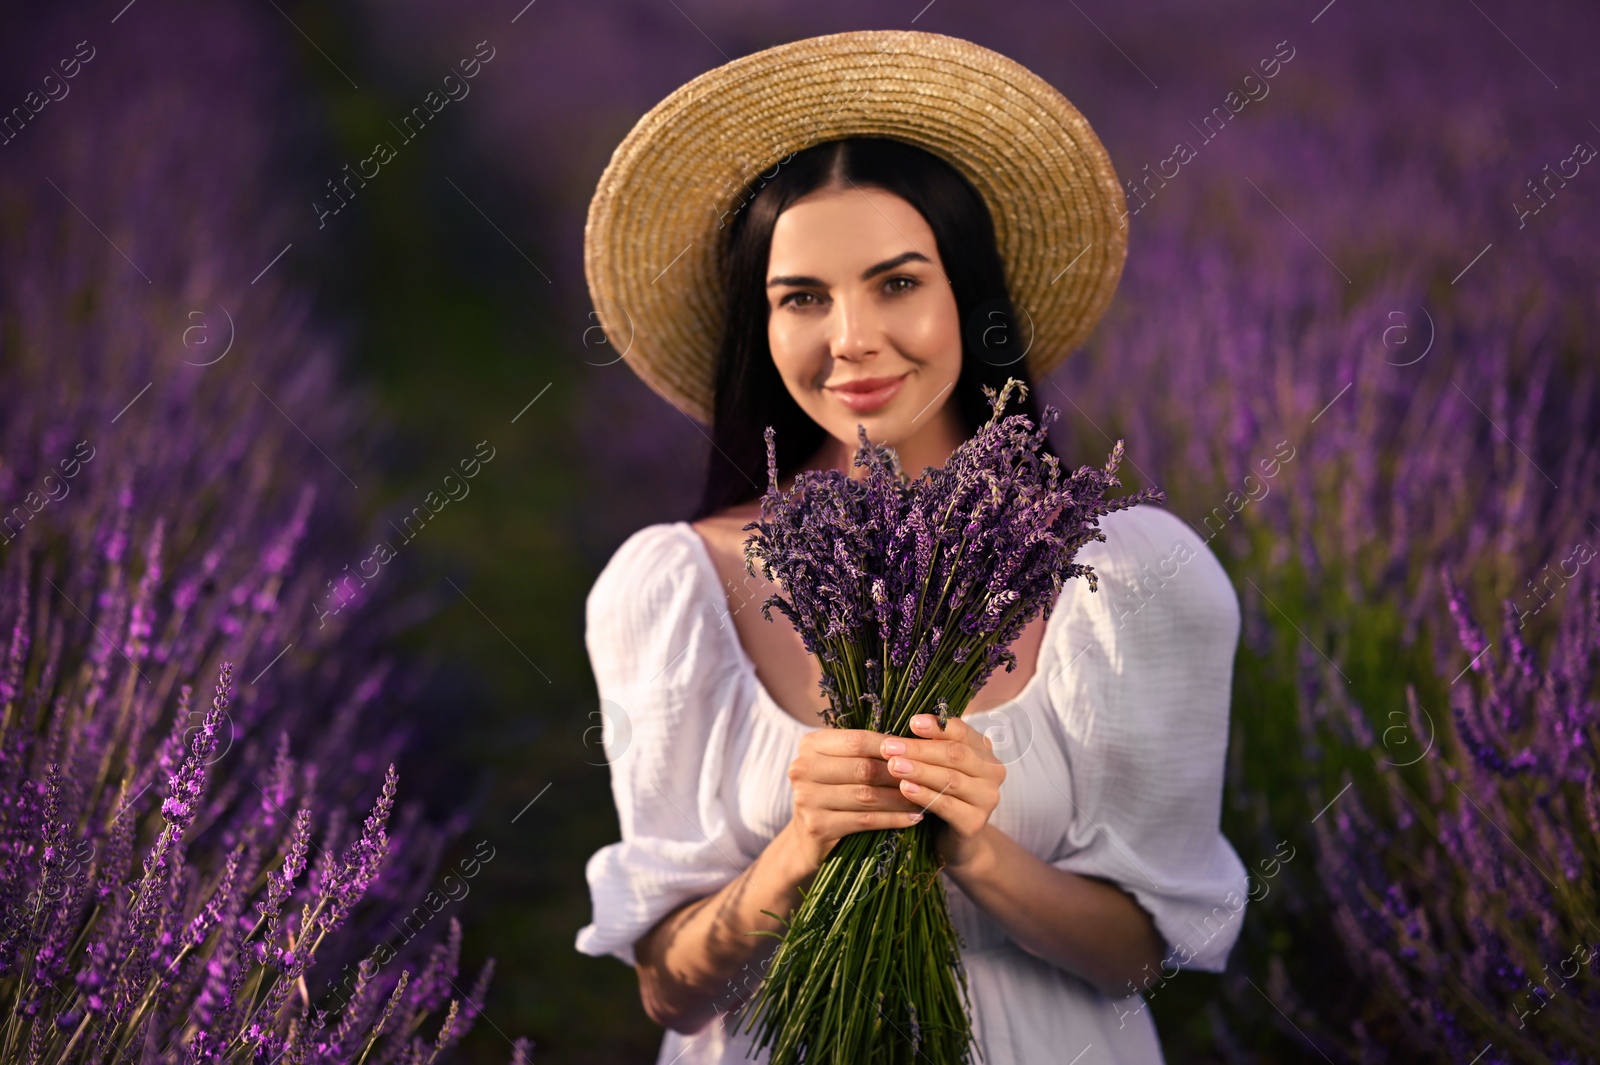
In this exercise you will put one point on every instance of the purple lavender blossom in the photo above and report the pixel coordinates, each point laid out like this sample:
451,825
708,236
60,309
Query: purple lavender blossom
1495,898
909,591
935,575
186,552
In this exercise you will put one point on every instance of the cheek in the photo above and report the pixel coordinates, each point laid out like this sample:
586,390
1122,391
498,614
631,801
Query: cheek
799,349
778,337
929,331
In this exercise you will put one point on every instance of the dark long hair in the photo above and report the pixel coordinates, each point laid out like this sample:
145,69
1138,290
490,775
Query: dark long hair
750,395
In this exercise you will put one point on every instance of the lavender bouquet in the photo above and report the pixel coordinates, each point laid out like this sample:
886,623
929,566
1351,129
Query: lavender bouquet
910,593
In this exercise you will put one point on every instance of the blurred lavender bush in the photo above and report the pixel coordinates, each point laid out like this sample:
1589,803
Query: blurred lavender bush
1462,884
183,878
1371,274
1426,356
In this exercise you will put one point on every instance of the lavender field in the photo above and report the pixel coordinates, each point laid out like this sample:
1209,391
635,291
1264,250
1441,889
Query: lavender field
309,451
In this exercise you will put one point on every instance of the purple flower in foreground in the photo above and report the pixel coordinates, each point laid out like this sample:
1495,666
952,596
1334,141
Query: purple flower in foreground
153,846
359,864
185,788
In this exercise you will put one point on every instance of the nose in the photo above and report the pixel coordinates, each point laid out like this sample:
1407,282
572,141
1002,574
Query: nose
857,331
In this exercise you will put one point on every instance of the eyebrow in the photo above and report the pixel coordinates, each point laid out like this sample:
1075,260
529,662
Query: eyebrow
866,275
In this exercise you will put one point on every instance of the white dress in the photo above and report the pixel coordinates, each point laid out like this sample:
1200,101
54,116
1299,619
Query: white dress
1114,768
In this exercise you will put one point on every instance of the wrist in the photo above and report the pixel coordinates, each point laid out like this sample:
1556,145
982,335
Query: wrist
969,861
798,863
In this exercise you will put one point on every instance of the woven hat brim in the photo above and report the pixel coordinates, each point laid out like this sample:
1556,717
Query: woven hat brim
654,238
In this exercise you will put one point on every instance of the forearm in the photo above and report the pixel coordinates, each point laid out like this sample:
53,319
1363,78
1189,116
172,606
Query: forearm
1082,924
698,961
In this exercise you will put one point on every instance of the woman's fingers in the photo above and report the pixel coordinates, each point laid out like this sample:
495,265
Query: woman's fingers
963,802
928,744
842,742
959,745
931,785
849,806
848,822
852,796
831,825
844,756
955,764
852,800
853,780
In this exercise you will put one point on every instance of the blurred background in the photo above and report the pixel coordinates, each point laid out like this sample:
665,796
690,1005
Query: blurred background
1363,242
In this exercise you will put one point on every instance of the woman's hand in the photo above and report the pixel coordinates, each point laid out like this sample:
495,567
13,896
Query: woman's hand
842,785
952,773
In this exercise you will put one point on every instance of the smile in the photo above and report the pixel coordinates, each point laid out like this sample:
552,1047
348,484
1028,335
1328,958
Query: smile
863,400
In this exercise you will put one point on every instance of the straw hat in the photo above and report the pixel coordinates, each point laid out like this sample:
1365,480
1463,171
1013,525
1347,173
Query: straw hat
657,225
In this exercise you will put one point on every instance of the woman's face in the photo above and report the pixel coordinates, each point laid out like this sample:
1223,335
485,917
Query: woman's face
856,294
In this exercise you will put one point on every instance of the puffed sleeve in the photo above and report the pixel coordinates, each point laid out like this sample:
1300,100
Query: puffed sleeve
1143,706
667,682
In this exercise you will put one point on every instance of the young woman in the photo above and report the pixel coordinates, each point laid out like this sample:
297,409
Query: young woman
864,284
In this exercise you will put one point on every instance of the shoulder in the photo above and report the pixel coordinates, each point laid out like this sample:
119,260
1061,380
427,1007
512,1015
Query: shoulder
1149,658
656,615
1153,562
647,572
641,550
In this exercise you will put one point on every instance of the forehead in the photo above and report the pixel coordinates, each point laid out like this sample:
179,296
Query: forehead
852,227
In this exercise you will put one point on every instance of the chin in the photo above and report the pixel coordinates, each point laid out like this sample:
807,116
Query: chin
881,429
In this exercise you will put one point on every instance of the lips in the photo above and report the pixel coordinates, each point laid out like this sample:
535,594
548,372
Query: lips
869,393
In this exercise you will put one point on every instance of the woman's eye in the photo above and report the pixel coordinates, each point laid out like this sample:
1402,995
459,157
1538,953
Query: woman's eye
895,286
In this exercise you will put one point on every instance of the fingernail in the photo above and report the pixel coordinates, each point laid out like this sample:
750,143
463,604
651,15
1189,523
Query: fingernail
894,746
922,721
900,765
911,787
916,817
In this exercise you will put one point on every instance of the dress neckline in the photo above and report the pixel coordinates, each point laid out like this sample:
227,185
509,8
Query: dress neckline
1043,662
